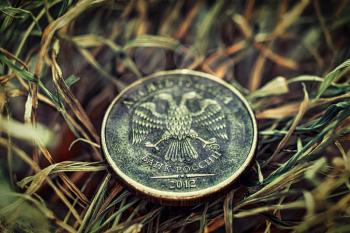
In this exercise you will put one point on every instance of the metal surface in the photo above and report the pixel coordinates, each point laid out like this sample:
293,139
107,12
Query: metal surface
179,135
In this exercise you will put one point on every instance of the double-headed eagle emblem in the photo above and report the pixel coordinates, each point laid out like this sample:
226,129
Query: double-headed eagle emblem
177,125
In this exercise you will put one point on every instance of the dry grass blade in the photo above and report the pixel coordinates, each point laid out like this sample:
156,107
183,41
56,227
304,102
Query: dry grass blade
228,212
56,25
251,212
290,17
181,32
281,112
70,98
302,110
203,219
90,210
278,59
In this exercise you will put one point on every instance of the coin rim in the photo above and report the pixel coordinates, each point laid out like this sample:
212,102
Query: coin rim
168,195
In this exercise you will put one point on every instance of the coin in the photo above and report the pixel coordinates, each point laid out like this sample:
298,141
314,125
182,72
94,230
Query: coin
179,135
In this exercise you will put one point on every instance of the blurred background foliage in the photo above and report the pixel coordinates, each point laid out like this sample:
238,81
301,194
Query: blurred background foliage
63,61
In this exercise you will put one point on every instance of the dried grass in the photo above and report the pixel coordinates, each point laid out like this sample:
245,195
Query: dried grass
61,63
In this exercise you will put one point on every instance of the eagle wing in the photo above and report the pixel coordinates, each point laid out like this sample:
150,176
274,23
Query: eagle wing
212,117
145,121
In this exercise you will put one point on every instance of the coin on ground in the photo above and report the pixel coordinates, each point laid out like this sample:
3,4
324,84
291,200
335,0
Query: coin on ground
179,135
